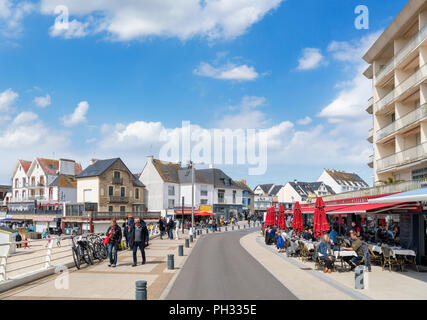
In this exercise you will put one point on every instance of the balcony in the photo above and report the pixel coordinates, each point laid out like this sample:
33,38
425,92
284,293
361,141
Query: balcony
370,108
119,199
412,117
403,157
117,181
415,79
371,161
402,54
36,185
371,135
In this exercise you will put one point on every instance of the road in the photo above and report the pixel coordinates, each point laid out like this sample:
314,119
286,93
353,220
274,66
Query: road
219,268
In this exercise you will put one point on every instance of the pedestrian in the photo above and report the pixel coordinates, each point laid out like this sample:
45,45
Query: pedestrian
26,246
18,239
176,229
114,233
138,239
161,227
170,227
126,234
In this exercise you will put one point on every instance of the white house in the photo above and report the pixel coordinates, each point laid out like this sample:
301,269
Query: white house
303,191
341,181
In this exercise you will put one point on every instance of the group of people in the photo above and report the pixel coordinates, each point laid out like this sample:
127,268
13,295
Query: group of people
169,226
326,246
136,237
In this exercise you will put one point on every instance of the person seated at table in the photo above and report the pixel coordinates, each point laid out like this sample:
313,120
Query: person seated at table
333,238
326,251
379,234
355,228
291,232
356,246
309,236
280,243
273,234
267,235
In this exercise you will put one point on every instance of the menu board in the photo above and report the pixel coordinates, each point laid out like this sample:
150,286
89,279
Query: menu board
406,230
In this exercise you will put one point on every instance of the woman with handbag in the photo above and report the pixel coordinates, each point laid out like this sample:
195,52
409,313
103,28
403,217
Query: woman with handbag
114,236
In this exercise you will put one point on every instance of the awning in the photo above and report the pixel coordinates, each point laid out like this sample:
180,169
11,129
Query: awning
409,196
204,213
327,209
372,208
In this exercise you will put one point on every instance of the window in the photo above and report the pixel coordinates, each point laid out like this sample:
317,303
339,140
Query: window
122,191
203,201
23,182
420,174
249,202
393,117
221,194
136,193
116,175
171,190
234,196
122,209
110,209
110,190
50,193
16,183
42,181
171,203
203,191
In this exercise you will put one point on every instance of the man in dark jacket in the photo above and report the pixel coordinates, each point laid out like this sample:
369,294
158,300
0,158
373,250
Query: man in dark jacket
115,233
161,227
170,226
138,238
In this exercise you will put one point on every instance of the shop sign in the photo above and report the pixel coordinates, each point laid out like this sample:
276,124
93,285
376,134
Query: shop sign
205,207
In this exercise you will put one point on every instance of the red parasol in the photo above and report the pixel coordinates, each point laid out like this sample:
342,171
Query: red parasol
282,222
270,219
297,223
320,222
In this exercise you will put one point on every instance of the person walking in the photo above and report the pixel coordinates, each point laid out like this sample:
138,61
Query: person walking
126,229
138,239
115,234
170,227
161,227
176,229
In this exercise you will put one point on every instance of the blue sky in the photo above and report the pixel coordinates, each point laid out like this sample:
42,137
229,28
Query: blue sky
120,75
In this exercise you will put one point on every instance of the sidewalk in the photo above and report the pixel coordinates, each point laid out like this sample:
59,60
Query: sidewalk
308,284
102,282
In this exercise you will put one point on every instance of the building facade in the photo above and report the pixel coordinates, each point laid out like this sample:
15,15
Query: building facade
398,70
303,192
341,181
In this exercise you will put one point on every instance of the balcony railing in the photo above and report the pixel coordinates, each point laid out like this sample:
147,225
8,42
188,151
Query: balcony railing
415,41
371,161
124,215
30,198
117,181
383,189
371,135
418,77
408,119
119,199
405,156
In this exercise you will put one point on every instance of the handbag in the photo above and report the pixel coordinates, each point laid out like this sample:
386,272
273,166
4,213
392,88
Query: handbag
107,239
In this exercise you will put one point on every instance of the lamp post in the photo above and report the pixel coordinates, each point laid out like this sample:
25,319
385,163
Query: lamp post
191,164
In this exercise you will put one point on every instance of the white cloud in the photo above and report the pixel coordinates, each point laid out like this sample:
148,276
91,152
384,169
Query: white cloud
78,116
311,58
138,19
11,16
7,99
305,121
227,72
74,29
43,102
25,117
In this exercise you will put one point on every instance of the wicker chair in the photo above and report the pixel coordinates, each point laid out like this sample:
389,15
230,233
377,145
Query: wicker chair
389,260
411,260
303,251
375,257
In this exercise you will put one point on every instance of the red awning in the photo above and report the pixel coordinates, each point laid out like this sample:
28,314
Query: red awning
371,207
204,213
327,209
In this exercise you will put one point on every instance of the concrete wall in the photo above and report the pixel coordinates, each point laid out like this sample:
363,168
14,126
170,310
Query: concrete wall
153,187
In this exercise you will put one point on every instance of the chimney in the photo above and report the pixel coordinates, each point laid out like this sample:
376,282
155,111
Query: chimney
211,166
150,159
93,161
67,167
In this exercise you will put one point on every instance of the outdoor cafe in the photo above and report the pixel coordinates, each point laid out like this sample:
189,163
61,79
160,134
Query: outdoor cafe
391,229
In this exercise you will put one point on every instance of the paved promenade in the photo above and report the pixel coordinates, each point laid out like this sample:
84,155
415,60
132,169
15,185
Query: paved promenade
102,282
307,283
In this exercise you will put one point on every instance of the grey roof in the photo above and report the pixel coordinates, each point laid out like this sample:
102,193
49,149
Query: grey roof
184,176
304,188
219,179
275,190
168,171
244,186
98,168
342,177
265,187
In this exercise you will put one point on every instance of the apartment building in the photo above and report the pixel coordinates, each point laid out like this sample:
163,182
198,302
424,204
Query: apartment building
398,69
341,181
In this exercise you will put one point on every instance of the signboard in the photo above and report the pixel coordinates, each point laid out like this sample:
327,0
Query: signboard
205,207
406,234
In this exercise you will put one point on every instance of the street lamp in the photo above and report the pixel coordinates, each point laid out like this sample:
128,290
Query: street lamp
191,164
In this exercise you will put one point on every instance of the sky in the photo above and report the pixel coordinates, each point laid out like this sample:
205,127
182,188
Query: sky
106,79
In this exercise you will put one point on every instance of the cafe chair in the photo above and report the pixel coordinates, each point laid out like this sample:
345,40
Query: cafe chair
411,260
375,257
389,260
304,252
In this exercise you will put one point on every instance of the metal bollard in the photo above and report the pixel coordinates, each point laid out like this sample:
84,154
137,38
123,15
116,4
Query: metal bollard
358,277
207,230
226,229
191,238
244,226
141,290
180,250
171,264
187,243
238,227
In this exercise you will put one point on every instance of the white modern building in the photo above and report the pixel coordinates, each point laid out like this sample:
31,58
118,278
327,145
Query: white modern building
398,69
340,181
303,191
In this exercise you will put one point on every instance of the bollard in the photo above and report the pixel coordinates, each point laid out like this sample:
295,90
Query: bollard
358,277
232,227
180,250
207,230
187,243
191,238
244,226
171,265
141,290
238,227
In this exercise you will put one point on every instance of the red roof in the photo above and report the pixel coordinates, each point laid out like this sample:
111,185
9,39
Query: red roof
25,165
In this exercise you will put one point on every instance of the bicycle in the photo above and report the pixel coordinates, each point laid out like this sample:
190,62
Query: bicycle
96,242
82,251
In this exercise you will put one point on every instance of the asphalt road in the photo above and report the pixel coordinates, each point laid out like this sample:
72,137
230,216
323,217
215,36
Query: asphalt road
219,268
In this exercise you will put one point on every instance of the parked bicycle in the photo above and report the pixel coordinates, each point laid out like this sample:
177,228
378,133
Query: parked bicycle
99,249
82,251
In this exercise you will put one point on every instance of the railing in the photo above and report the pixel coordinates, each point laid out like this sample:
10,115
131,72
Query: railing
402,157
371,159
371,134
383,189
408,119
419,76
30,198
123,215
119,199
117,181
413,43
